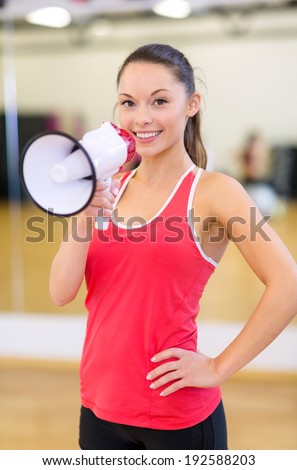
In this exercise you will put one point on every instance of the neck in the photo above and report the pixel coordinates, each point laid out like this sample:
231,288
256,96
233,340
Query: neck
163,168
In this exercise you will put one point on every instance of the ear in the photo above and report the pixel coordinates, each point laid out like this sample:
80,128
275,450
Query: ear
194,104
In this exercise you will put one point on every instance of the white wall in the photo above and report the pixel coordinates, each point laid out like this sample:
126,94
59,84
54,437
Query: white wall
251,85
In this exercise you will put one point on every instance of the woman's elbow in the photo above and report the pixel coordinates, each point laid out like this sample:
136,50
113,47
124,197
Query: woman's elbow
289,289
60,302
292,284
61,298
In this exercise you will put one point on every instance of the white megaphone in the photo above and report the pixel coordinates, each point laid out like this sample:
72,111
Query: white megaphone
60,173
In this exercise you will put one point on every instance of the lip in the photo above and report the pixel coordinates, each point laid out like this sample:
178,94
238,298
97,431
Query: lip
148,139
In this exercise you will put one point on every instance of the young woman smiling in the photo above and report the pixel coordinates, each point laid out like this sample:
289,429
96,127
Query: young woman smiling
144,382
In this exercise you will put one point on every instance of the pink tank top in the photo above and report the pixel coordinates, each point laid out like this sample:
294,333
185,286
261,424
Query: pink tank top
144,286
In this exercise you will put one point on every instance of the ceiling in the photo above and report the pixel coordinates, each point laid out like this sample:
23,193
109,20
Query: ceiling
111,23
17,9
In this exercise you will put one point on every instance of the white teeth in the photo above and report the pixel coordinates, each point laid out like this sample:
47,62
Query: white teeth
146,135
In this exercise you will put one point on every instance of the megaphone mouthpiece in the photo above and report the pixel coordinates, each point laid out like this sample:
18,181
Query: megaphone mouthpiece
73,167
59,173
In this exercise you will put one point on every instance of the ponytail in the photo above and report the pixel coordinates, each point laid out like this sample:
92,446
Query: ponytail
193,142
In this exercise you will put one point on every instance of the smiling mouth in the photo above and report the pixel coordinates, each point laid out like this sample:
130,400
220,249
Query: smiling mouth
146,135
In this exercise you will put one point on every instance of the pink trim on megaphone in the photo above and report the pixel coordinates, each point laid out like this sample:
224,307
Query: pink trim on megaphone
129,141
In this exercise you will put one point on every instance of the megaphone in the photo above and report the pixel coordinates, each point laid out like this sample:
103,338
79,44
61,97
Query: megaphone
59,173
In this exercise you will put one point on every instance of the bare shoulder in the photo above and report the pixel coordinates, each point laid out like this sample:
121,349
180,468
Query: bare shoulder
220,181
222,194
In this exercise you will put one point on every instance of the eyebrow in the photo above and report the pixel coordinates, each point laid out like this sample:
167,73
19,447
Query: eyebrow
154,92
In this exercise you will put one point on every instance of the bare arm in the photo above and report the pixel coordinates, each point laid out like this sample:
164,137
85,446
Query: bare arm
275,267
68,267
268,257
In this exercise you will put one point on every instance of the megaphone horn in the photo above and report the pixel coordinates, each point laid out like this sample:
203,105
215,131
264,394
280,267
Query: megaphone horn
60,173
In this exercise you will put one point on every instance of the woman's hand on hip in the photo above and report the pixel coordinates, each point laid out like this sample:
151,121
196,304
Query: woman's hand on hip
187,369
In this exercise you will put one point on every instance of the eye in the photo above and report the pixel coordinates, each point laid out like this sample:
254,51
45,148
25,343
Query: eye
160,101
127,103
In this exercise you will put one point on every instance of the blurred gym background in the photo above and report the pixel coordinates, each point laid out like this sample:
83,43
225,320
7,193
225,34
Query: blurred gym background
57,72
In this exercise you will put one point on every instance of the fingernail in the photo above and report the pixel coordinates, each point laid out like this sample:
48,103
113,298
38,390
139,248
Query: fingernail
161,394
153,359
116,191
148,376
152,385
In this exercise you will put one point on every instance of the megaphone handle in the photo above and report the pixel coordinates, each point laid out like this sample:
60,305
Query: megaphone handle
101,222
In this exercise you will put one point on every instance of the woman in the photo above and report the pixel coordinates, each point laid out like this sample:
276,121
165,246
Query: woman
144,384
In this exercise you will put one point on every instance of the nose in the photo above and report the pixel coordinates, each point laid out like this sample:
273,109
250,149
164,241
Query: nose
143,116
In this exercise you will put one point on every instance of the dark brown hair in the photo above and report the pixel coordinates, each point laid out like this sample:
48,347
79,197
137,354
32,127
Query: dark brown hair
175,60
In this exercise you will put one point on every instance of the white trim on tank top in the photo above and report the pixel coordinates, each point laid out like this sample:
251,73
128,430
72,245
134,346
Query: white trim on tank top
190,222
160,210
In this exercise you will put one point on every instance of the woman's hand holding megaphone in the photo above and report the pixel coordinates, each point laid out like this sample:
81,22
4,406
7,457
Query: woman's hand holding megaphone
103,200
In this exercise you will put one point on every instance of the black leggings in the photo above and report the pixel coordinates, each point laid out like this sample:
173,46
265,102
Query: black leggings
97,434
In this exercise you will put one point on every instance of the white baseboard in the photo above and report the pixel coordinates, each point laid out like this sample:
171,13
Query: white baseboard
60,337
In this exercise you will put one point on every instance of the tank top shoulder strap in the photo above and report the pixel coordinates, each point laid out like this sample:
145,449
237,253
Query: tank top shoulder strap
194,182
126,176
190,210
178,202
